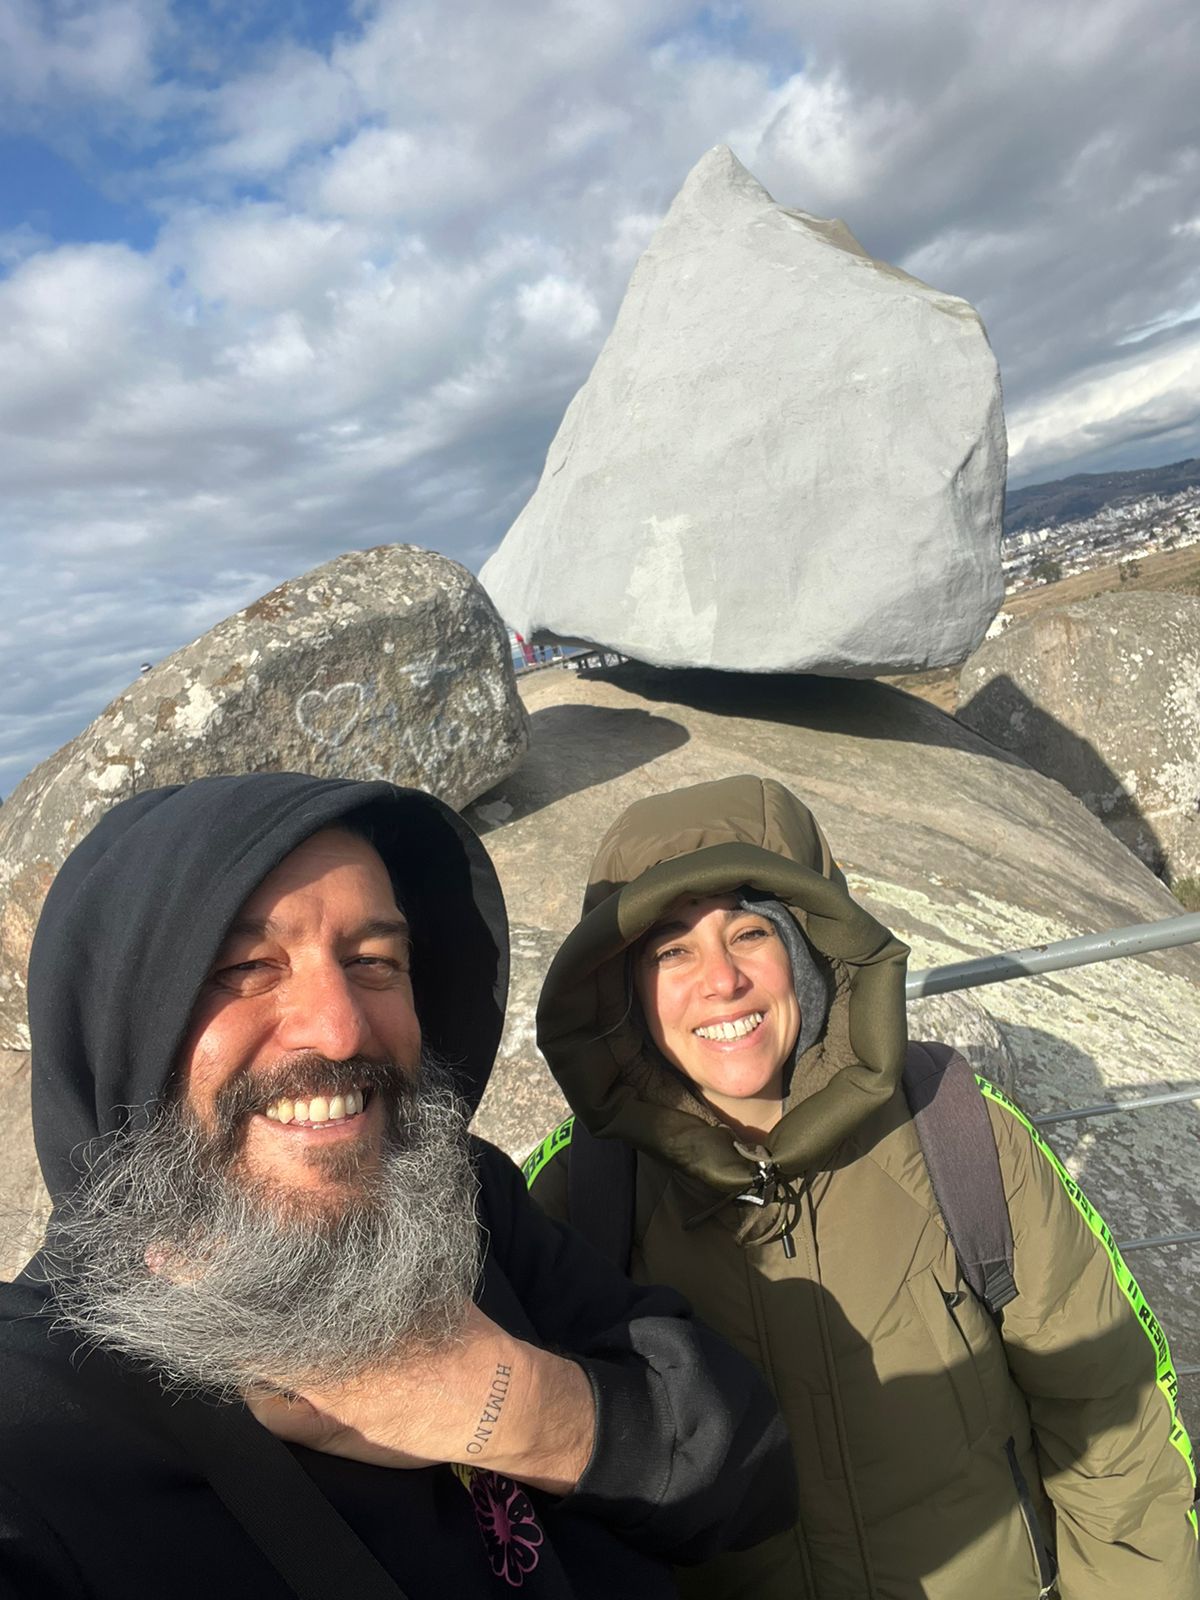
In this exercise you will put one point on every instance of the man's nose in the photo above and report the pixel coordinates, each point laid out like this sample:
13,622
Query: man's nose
323,1012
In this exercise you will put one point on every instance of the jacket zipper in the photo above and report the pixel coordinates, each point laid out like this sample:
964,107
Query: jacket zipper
1047,1571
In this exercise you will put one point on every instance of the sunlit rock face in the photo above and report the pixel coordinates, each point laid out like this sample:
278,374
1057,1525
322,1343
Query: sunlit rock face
1104,696
788,456
387,663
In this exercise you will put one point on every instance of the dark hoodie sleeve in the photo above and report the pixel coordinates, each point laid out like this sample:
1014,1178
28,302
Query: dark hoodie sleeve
691,1456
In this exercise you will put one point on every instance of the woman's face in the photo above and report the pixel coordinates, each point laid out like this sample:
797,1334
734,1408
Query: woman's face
715,984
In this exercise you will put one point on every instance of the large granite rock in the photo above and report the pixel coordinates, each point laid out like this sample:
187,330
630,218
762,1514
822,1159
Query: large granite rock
1104,696
787,456
956,844
386,663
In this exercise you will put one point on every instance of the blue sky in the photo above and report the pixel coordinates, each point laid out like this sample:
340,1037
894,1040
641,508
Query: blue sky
283,279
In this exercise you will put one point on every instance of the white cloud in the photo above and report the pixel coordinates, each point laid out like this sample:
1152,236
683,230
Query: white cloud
384,263
1159,395
51,49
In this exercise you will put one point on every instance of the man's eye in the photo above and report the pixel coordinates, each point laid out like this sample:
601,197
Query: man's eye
244,977
378,969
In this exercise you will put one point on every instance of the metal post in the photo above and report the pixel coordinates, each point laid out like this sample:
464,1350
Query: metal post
1140,939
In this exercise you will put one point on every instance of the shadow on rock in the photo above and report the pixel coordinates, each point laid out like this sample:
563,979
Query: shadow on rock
575,747
855,707
1003,713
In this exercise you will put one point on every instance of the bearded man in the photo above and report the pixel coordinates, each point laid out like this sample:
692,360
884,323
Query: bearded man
292,1331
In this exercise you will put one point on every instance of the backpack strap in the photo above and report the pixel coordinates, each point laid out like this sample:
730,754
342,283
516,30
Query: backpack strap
960,1153
602,1193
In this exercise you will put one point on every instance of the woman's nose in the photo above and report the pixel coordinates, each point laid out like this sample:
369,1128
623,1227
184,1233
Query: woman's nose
721,975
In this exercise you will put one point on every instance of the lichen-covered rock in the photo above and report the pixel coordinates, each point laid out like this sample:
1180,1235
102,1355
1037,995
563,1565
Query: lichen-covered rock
1104,696
788,456
387,663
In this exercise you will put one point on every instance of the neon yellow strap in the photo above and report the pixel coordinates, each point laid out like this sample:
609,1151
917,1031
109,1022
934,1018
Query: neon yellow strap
545,1152
1165,1374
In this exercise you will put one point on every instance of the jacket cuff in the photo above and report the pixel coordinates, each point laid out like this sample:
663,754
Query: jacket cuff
630,1466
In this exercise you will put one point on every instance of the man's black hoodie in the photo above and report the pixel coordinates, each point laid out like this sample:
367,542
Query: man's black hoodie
106,1480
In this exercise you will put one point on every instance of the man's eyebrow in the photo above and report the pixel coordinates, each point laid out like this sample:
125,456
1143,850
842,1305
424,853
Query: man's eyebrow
382,928
267,927
250,928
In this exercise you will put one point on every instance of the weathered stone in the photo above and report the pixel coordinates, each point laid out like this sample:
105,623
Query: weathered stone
24,1205
387,663
1104,696
957,845
960,1018
787,456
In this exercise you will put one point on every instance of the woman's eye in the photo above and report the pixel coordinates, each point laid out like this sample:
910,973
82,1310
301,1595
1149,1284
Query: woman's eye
671,952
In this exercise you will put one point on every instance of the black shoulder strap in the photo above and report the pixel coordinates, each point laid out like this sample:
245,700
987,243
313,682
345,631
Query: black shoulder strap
308,1542
964,1167
602,1192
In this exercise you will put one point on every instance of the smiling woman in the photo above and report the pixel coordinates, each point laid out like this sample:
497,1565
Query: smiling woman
715,983
729,1027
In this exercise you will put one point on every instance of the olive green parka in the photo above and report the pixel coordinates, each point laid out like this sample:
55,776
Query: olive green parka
916,1425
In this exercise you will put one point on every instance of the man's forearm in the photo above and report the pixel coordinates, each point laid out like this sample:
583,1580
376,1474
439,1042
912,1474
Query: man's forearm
537,1420
485,1399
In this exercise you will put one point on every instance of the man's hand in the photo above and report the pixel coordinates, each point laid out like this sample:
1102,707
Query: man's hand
485,1399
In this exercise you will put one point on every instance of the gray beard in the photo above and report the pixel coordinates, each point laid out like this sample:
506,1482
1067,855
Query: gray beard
256,1284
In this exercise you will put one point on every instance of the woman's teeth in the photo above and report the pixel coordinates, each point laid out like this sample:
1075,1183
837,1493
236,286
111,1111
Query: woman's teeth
318,1111
731,1030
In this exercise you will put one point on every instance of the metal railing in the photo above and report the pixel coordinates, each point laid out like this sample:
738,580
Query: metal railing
1140,939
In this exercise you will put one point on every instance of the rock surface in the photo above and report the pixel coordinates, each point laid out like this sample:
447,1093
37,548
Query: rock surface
957,845
24,1205
1104,696
386,663
788,456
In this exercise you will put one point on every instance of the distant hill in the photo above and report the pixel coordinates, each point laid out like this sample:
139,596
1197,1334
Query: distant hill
1042,505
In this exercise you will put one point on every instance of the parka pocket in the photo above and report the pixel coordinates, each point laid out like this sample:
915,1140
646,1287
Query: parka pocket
936,1307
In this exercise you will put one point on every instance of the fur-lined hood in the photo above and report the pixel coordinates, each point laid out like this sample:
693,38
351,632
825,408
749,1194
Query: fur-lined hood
710,839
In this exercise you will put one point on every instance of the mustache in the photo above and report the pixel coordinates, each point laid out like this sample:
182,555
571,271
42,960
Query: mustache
301,1076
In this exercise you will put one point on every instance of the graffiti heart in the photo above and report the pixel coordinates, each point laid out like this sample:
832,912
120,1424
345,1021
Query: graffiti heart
330,716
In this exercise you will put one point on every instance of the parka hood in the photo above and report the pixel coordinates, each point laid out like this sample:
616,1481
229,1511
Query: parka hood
705,840
138,911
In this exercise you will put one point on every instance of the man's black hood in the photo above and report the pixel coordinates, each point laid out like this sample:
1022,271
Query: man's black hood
137,913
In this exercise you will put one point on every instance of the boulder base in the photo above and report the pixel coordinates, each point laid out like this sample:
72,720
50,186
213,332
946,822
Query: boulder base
788,456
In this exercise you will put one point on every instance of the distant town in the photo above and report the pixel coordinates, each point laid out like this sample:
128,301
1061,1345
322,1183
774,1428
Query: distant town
1122,526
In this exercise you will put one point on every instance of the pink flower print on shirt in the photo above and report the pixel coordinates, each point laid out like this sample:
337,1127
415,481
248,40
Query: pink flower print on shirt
508,1524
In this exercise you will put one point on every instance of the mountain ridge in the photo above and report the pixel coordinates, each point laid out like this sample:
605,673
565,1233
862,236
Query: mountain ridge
1083,494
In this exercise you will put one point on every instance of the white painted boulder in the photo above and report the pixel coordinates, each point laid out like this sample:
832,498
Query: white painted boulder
387,663
788,456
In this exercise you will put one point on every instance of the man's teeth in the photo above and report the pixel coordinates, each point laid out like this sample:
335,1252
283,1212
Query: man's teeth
731,1030
318,1110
